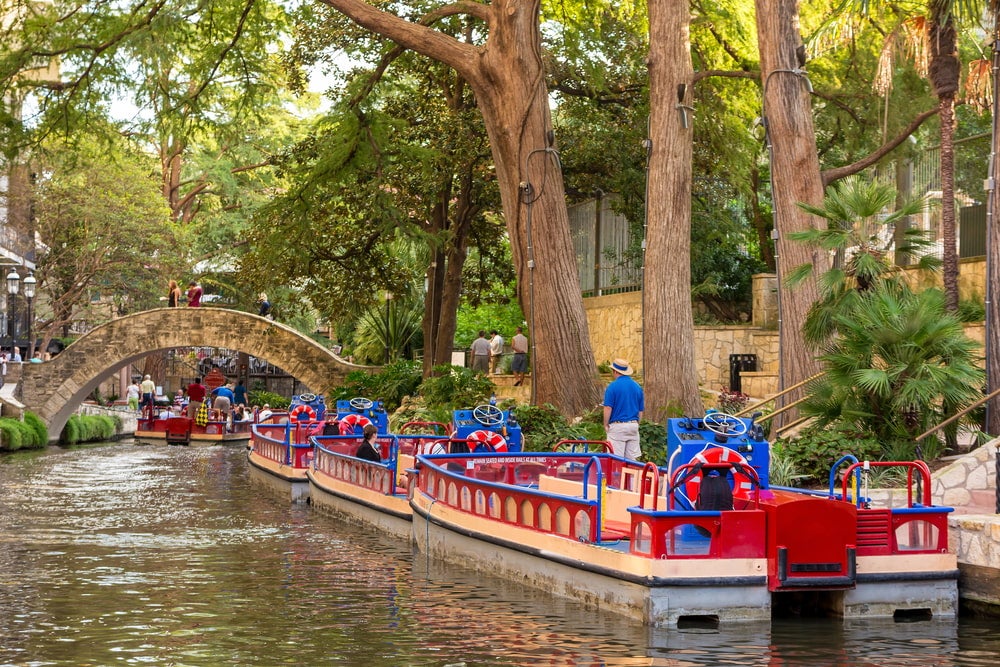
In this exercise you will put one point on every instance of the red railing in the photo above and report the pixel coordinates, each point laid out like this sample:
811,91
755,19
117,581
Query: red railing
335,458
917,528
278,443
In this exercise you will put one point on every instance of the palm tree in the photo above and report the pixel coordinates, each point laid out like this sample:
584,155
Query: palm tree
859,234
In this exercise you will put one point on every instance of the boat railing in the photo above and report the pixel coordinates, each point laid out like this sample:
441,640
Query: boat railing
335,458
583,446
916,528
482,484
276,442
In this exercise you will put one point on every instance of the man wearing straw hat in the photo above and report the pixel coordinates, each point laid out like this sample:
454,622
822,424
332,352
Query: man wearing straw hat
623,406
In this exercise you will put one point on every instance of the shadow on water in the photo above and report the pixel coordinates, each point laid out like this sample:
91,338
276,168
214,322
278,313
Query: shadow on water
168,556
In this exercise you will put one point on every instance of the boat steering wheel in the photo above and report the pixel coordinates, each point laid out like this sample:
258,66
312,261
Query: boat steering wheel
360,403
725,424
307,398
488,415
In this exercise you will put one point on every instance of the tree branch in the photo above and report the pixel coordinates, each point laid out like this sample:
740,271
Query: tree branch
831,175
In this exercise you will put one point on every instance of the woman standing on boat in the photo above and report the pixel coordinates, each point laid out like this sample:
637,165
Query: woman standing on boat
369,448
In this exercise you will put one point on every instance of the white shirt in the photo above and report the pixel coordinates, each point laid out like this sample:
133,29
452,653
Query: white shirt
496,345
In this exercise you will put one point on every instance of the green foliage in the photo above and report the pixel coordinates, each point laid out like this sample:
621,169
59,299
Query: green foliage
972,310
899,365
28,434
393,383
542,426
811,453
456,386
731,401
41,432
653,442
89,428
782,470
259,396
503,317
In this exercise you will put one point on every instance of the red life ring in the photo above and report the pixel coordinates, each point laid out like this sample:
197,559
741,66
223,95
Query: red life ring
302,408
494,440
742,484
350,423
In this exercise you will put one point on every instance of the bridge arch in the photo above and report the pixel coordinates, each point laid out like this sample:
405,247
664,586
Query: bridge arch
54,389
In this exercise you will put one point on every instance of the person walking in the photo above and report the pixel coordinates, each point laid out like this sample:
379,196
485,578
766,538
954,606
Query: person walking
240,392
132,395
480,351
173,294
519,363
624,404
496,351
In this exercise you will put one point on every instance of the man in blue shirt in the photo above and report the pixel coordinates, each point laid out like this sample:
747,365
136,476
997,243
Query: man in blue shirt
623,407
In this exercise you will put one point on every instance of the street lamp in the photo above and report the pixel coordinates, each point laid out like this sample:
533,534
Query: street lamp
13,286
29,294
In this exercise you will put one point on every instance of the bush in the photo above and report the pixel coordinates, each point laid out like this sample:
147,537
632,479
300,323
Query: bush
259,397
394,382
41,432
89,428
732,401
28,434
456,386
812,452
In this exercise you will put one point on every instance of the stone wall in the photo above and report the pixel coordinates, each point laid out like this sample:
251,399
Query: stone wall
616,331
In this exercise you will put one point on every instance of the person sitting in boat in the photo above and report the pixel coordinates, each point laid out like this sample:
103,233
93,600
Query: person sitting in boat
369,447
240,414
265,413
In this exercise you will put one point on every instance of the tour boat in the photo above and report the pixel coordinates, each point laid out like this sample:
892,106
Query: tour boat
168,426
376,493
281,451
706,538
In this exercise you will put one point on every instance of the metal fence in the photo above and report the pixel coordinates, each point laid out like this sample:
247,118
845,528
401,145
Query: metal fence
602,239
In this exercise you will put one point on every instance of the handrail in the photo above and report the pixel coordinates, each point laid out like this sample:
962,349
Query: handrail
747,410
957,415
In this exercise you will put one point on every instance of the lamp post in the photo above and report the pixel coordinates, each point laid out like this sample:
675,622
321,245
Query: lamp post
13,287
29,294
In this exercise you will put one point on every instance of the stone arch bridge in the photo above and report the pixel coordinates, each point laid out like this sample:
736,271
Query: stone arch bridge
54,389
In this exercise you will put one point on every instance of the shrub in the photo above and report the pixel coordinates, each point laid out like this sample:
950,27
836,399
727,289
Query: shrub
89,428
813,451
37,426
732,401
259,397
653,442
11,435
456,386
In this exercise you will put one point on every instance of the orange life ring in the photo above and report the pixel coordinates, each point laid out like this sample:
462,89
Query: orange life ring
494,440
742,484
351,422
302,408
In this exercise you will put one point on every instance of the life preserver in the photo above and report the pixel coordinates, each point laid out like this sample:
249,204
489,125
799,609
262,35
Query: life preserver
742,484
300,409
351,422
494,440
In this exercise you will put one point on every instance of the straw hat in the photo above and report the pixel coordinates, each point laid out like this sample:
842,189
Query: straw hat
621,367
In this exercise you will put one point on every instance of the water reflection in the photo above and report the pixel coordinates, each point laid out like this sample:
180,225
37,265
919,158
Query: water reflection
128,554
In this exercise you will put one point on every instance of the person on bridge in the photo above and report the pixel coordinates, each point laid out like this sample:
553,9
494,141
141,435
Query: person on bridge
265,306
148,391
194,294
173,294
196,396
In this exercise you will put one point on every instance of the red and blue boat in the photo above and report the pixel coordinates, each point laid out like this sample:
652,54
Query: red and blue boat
706,537
377,493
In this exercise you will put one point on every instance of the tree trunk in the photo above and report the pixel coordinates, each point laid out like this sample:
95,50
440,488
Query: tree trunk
507,78
993,241
670,376
944,72
795,177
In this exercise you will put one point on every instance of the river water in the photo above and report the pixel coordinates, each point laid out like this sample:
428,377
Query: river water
124,554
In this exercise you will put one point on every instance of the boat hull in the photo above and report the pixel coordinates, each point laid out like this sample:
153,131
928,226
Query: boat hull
655,592
160,438
281,479
388,513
